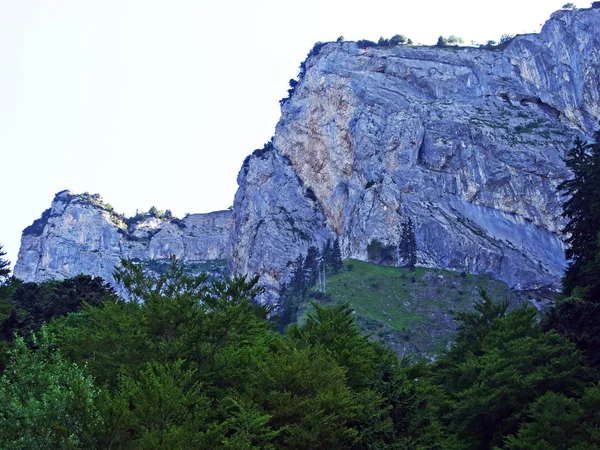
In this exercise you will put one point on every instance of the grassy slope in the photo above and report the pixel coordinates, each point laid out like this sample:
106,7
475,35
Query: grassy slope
410,311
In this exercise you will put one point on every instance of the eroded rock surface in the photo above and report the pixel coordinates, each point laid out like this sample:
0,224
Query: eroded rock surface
80,234
465,141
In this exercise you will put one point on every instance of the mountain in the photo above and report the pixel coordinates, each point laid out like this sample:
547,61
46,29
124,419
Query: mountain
467,142
79,233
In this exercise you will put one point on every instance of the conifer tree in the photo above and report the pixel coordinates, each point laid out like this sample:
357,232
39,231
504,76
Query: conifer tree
336,256
408,244
4,266
311,266
328,252
582,210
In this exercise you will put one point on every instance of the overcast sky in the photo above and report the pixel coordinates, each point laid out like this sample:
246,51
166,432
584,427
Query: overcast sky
158,102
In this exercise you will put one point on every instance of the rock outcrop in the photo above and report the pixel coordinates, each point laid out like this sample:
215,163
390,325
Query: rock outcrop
276,219
467,142
80,234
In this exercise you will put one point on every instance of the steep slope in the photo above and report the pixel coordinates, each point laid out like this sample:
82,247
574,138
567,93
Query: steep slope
412,312
465,141
80,234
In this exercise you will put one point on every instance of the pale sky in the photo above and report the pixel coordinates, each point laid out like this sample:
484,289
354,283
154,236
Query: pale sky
158,102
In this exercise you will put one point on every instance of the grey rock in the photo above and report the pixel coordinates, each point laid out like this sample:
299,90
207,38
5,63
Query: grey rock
468,142
80,234
275,221
465,141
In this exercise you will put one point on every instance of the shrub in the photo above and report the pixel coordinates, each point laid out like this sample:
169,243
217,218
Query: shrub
450,40
364,43
398,39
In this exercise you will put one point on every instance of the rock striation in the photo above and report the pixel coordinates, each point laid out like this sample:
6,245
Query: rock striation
467,142
81,234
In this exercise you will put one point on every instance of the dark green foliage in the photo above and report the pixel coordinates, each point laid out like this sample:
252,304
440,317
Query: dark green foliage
582,211
364,43
336,256
4,266
28,305
45,401
578,320
399,39
152,212
383,42
334,329
447,41
109,339
332,256
374,250
501,364
291,296
578,316
195,364
559,422
305,393
381,254
311,266
408,245
293,83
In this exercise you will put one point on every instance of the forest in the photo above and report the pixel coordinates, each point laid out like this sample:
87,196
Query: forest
188,362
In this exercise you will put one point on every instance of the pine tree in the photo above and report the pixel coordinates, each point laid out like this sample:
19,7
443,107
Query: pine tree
577,317
4,266
291,295
328,252
408,245
582,210
336,256
311,266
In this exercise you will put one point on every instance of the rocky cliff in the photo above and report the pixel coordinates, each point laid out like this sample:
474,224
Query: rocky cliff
81,234
467,142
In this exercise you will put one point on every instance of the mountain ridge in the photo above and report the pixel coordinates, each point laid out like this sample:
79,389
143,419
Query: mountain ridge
466,142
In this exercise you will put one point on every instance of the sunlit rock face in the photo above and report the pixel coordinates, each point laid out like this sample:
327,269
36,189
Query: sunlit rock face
79,234
276,220
465,141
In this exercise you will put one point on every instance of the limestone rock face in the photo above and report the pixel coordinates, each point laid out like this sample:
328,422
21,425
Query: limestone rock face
79,234
276,220
465,141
